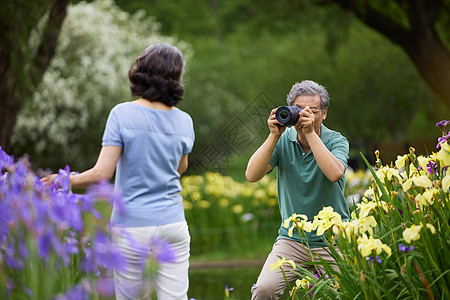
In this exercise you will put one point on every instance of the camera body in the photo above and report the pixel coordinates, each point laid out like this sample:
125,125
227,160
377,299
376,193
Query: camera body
287,115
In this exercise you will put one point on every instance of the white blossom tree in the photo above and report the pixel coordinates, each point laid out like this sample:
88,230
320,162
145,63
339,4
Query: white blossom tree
88,75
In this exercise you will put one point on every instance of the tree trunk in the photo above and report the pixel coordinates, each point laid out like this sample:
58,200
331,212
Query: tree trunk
9,107
432,60
20,73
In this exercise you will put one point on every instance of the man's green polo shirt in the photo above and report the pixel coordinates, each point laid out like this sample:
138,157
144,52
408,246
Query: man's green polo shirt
302,186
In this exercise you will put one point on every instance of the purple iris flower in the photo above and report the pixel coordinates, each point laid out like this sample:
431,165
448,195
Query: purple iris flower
228,288
23,250
64,178
52,217
104,254
317,274
162,251
5,159
104,287
105,190
78,292
442,140
86,203
71,243
9,285
432,167
12,260
405,249
17,178
43,245
442,124
377,258
60,250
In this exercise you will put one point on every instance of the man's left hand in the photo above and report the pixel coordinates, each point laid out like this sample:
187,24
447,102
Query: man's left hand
306,121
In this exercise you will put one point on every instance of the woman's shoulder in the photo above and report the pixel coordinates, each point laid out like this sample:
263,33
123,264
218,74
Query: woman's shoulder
122,106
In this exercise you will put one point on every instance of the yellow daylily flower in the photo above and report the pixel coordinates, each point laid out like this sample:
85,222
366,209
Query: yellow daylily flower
280,262
366,224
425,199
237,208
306,226
291,231
446,182
187,204
389,173
393,173
420,181
431,228
325,219
444,154
413,171
303,284
407,184
362,225
195,195
224,202
412,233
369,193
203,204
367,207
368,244
294,218
401,161
296,223
423,161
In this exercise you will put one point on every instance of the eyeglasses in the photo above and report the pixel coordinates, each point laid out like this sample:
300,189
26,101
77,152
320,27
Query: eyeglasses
314,110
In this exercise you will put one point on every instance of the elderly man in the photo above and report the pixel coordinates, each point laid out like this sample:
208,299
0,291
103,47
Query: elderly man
311,161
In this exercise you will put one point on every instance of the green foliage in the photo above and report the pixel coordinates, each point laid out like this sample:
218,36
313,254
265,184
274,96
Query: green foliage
64,121
396,243
239,51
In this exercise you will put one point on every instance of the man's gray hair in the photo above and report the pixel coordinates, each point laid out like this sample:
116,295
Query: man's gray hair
309,88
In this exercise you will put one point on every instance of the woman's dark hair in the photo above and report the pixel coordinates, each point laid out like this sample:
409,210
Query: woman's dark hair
156,74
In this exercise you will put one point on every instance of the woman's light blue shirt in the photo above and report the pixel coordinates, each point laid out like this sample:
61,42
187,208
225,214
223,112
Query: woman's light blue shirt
153,142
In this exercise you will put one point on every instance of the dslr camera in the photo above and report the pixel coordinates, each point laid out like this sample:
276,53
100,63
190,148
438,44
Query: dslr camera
287,115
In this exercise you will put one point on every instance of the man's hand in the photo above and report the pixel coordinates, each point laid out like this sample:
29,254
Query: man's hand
306,121
274,126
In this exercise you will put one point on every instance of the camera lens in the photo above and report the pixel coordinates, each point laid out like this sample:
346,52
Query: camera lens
284,114
287,115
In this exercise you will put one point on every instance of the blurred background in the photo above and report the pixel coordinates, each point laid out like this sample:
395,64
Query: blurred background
65,64
385,63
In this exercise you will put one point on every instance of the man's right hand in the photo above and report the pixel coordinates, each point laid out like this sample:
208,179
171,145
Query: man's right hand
274,126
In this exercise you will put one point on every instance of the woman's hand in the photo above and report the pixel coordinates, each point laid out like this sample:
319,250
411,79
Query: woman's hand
49,179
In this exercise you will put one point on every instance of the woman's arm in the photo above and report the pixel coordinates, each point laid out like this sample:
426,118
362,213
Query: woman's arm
103,169
182,167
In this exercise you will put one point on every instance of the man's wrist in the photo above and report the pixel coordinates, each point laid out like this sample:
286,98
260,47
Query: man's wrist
311,134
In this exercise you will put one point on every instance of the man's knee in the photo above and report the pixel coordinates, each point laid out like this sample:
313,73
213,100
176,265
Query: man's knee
266,291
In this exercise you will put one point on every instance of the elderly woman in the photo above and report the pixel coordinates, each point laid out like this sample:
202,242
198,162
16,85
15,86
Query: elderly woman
147,141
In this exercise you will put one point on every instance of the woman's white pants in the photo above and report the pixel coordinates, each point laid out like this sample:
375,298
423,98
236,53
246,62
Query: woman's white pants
171,280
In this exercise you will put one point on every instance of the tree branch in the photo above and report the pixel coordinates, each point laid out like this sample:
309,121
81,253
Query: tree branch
382,23
49,40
